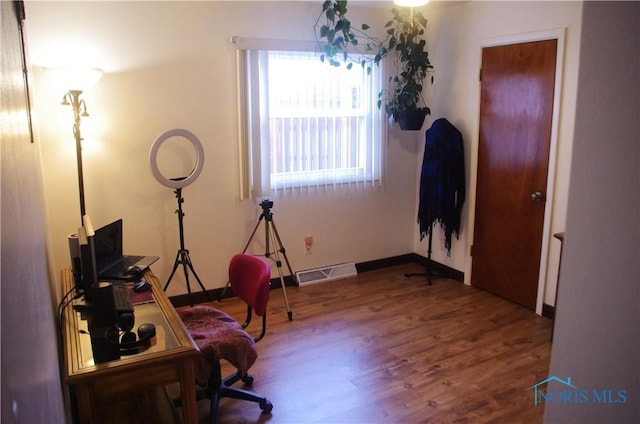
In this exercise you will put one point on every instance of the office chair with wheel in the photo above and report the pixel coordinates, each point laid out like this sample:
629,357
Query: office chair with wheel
219,336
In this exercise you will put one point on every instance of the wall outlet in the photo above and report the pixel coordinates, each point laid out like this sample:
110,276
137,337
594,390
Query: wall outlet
308,243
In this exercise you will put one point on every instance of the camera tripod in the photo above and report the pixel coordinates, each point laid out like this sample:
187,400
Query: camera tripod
270,230
182,257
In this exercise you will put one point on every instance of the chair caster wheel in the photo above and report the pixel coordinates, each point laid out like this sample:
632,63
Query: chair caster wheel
266,407
248,380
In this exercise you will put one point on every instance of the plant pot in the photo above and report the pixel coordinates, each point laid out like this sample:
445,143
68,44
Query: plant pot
411,120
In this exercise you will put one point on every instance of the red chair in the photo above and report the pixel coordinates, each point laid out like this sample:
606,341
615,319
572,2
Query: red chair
219,336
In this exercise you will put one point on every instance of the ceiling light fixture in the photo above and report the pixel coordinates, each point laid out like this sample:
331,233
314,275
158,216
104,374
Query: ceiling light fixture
410,3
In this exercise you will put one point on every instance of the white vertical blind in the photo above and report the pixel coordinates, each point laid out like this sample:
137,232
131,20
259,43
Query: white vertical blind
305,125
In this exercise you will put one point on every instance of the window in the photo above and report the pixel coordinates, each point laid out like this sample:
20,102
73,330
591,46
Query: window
307,125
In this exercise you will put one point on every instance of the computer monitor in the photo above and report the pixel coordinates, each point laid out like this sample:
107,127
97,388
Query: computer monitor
108,244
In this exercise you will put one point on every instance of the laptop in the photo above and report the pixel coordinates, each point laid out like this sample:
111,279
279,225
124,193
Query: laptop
111,263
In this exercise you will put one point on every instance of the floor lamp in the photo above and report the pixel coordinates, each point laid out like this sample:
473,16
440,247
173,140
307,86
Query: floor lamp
72,97
84,78
81,245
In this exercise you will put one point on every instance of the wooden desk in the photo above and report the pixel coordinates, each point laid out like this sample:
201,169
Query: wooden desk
168,360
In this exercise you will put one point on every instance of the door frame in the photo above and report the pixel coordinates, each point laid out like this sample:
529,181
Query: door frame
558,34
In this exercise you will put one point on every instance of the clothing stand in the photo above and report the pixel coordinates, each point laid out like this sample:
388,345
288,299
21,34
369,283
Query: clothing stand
270,230
428,273
442,187
182,257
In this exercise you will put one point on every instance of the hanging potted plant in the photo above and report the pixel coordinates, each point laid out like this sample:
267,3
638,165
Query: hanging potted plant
341,43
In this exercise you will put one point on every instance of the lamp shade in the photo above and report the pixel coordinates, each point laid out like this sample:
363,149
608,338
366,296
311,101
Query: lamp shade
76,78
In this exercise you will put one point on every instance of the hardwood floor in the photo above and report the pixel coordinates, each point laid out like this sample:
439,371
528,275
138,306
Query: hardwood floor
382,348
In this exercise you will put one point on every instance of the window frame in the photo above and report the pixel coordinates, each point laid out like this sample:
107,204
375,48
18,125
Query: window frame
256,178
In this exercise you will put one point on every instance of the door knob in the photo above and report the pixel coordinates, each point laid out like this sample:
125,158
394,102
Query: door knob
537,196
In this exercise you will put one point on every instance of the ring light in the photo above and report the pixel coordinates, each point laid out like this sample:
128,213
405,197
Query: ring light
153,158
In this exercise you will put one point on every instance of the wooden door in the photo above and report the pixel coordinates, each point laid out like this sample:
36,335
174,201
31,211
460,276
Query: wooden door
516,102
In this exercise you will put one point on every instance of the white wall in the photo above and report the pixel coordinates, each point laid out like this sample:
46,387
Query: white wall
30,376
456,36
169,65
597,340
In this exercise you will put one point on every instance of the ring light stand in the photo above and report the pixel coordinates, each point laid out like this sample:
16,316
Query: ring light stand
182,257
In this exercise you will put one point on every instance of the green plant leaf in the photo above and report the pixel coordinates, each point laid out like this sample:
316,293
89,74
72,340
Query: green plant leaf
331,15
392,43
404,40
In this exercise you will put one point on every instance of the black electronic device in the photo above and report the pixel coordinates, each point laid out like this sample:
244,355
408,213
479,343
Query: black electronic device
141,286
122,300
111,321
88,264
76,270
133,273
128,342
111,262
76,262
266,204
102,315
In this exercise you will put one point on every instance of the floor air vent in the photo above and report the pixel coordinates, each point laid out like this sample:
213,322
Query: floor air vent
320,275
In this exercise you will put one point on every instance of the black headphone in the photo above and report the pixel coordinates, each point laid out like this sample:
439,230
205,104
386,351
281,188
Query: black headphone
128,342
